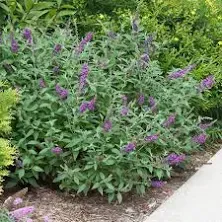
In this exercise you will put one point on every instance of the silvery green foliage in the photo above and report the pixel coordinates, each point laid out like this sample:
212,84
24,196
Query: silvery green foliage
93,158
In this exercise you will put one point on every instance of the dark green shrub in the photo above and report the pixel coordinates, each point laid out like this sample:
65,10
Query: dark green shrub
73,123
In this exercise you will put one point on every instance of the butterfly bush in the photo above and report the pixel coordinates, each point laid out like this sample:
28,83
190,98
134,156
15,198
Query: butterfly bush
94,119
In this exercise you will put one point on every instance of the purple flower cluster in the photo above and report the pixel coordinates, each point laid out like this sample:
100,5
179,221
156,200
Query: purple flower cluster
200,139
63,93
181,73
151,138
144,60
17,201
83,107
84,42
83,76
27,34
157,183
141,99
87,105
91,104
130,147
107,125
175,159
57,150
21,213
170,120
207,83
124,111
14,46
42,83
57,48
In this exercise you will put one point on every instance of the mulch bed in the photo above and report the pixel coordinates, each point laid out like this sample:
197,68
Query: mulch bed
61,207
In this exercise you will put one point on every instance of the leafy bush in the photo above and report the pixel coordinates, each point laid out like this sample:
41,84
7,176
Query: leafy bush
57,12
4,216
188,31
96,114
7,153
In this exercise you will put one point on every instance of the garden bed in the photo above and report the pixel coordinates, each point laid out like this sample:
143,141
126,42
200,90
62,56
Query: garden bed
65,207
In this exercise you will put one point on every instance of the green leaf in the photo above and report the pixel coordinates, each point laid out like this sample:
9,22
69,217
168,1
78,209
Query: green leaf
28,4
111,197
76,180
109,162
95,186
10,184
26,161
21,173
65,13
110,186
59,2
100,189
33,182
81,188
59,178
5,7
159,173
119,197
43,5
38,169
33,142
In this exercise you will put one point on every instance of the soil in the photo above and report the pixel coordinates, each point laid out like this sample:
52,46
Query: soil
61,207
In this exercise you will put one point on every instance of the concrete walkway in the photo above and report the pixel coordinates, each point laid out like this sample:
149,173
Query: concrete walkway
198,200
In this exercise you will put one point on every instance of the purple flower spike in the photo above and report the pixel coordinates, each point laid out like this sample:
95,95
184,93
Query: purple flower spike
151,138
130,147
57,150
124,111
205,126
91,104
14,46
169,121
181,73
27,33
157,183
141,100
63,93
83,76
207,83
17,201
57,48
84,42
29,220
21,213
175,159
107,126
83,107
58,88
200,139
42,83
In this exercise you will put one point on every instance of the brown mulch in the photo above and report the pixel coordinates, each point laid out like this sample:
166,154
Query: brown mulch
61,207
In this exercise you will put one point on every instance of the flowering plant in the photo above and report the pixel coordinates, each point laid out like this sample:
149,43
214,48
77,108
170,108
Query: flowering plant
105,119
